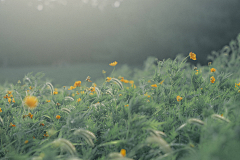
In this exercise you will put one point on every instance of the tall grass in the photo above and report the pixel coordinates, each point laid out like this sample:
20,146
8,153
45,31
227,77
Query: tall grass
171,110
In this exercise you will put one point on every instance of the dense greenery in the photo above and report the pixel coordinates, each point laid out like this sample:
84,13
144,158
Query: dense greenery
171,110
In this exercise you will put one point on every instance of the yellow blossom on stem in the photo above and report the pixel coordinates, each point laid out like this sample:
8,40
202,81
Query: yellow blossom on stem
154,85
9,100
88,79
103,71
212,79
82,92
161,82
77,84
126,105
123,152
92,89
26,142
108,79
113,63
79,99
71,88
31,102
212,69
9,92
179,98
131,81
55,92
192,56
58,117
125,81
0,109
48,101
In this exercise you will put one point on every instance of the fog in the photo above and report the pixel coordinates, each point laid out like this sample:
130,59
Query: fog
59,32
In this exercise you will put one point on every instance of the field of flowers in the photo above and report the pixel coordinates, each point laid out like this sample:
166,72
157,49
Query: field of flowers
168,111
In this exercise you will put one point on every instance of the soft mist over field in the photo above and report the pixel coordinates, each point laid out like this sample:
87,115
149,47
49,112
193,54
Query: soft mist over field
65,32
40,32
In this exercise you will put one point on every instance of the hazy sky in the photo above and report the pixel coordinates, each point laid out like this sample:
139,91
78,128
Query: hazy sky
55,32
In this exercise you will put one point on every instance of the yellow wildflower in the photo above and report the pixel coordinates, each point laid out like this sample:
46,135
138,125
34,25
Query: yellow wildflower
31,101
9,100
58,117
122,79
179,98
125,81
126,105
120,95
11,96
103,71
0,109
19,81
79,99
9,92
123,152
131,81
71,87
26,142
77,84
92,89
161,82
73,94
108,79
94,85
154,85
212,69
30,87
48,101
13,100
113,63
82,92
212,79
6,96
55,92
90,94
192,56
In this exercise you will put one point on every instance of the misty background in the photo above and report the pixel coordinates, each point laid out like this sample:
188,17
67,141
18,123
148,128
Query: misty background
38,35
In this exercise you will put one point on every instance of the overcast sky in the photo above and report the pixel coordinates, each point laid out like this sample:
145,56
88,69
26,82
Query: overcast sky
56,32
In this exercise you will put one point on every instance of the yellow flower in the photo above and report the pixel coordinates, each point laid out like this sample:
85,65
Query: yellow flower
212,69
91,94
48,101
55,92
123,152
179,98
126,105
30,87
19,81
131,81
108,79
26,142
6,96
79,99
103,71
125,81
212,79
31,101
13,100
122,79
58,117
154,85
71,87
82,92
9,92
11,96
161,82
9,100
73,94
238,84
77,84
192,56
92,89
113,63
120,94
0,109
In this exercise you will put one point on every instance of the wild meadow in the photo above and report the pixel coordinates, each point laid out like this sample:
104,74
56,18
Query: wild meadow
170,110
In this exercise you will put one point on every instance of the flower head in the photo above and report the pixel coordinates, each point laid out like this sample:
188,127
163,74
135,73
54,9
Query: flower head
212,69
88,79
0,109
179,98
108,79
123,152
79,99
92,89
78,83
154,85
55,92
212,79
58,117
31,101
192,56
113,63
